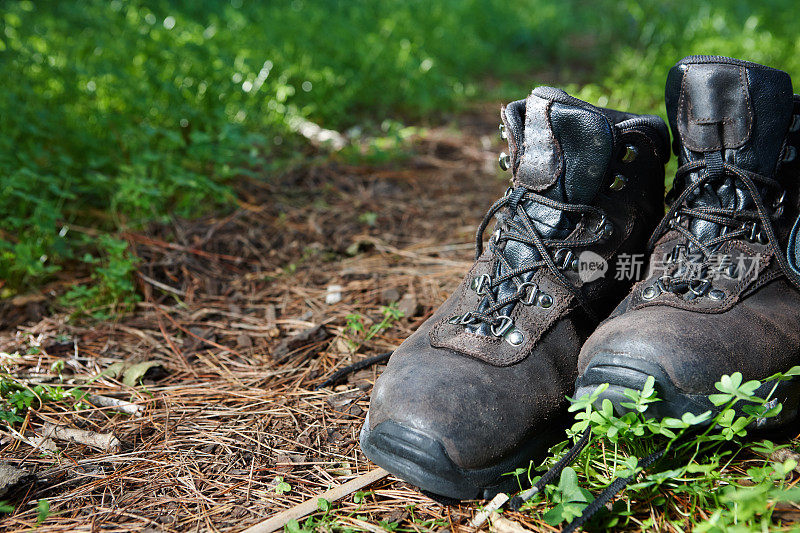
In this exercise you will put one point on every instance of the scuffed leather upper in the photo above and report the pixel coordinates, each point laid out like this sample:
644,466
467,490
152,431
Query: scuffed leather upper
475,393
565,141
757,336
743,112
478,412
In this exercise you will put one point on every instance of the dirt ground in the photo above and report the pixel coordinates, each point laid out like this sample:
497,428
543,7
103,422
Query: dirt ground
235,325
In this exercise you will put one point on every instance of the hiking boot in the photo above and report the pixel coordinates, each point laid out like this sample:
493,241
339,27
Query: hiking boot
479,389
721,296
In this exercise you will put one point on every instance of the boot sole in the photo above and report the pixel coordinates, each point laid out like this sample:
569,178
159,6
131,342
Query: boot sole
423,461
624,372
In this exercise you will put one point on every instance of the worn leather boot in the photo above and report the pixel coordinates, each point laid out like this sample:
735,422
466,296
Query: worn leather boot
722,295
480,387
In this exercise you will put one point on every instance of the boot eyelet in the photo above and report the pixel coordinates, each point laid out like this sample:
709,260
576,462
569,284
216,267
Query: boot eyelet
506,323
649,293
604,228
630,153
619,183
795,123
462,320
716,294
663,283
755,233
678,254
574,265
563,258
530,296
504,161
779,201
789,154
466,319
699,287
480,283
515,338
545,300
503,134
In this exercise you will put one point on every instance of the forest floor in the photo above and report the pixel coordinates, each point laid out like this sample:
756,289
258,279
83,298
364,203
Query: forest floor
223,355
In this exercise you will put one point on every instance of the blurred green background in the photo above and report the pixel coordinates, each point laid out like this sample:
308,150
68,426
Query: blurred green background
115,114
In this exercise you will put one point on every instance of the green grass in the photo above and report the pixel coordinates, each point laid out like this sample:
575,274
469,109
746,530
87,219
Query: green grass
635,74
115,114
118,113
713,477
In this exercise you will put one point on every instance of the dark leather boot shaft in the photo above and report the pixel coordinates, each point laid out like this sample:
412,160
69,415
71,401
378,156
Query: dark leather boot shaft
549,152
480,388
727,110
721,105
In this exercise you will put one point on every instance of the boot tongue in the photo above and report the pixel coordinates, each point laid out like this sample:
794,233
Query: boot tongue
723,109
560,148
563,145
738,109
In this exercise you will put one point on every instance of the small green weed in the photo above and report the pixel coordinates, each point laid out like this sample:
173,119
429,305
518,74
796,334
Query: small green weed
358,333
695,469
570,499
43,508
369,218
281,487
113,290
16,397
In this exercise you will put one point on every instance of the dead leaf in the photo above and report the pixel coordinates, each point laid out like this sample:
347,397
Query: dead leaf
134,374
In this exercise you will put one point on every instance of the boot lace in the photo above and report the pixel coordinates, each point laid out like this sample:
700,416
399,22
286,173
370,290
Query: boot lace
515,224
755,225
602,499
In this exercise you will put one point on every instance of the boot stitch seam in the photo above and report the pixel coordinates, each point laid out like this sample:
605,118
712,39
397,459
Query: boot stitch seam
687,108
557,312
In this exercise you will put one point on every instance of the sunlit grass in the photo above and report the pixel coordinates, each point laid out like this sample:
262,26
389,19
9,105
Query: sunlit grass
118,113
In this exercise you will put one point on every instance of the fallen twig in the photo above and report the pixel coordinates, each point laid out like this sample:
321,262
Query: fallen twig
117,405
309,506
496,503
162,286
504,525
344,372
